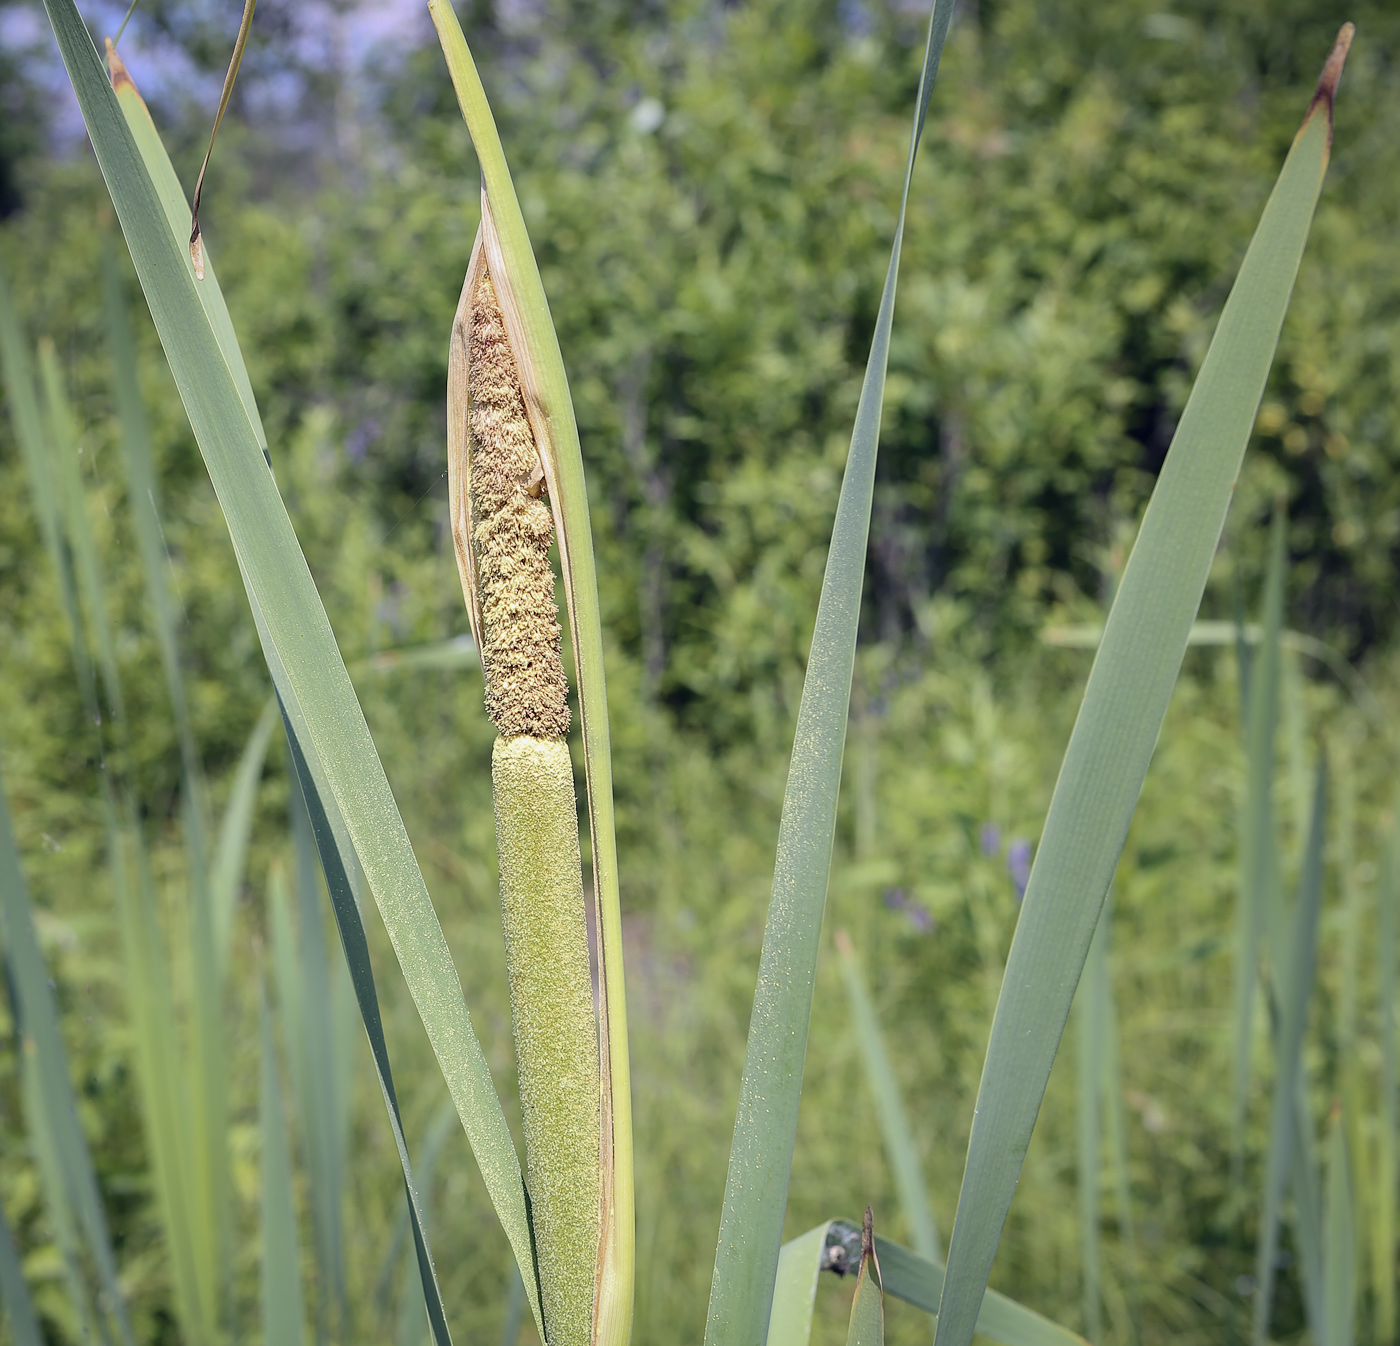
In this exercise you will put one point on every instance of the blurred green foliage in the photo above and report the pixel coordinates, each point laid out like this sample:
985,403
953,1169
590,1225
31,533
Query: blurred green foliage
711,190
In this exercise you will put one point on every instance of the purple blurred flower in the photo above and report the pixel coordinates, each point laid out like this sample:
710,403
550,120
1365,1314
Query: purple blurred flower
1018,865
357,442
991,839
921,918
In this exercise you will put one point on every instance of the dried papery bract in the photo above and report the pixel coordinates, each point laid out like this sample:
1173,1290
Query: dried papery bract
503,531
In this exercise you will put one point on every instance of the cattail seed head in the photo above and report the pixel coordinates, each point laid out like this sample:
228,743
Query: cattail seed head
526,692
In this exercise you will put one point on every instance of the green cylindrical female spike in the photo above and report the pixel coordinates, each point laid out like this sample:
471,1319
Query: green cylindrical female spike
551,1005
551,991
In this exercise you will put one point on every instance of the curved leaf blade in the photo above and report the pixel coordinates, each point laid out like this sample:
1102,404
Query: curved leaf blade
795,1288
307,669
50,1099
1258,842
1288,1123
15,1301
904,1274
900,1151
1124,704
765,1127
282,1312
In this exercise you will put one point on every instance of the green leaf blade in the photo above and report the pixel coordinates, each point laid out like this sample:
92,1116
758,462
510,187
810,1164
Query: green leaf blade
297,639
898,1135
1383,1198
867,1326
50,1100
918,1281
1293,991
15,1300
282,1312
1340,1240
1258,843
795,1288
765,1126
1116,731
904,1274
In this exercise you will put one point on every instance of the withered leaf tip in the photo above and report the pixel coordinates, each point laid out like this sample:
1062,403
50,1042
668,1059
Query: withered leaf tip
1326,91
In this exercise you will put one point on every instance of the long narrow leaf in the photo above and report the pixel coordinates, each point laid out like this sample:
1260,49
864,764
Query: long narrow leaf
150,545
1295,737
1124,704
310,676
163,1089
15,1301
1305,1184
52,1100
1384,1197
1115,1117
515,1309
1340,1240
21,393
765,1127
235,830
1258,843
282,1319
337,858
317,1092
1090,1010
835,1246
920,1282
900,1152
412,1325
867,1327
795,1288
57,1187
78,535
1293,992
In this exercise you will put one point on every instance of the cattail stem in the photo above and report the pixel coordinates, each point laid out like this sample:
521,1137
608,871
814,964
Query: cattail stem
551,1005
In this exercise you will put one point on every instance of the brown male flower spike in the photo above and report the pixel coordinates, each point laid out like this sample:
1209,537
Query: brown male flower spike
526,692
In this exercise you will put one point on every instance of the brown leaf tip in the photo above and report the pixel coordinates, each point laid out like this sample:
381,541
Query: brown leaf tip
868,1258
1332,75
117,68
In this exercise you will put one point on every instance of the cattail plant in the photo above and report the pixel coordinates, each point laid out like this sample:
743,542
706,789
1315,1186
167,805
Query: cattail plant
516,489
502,530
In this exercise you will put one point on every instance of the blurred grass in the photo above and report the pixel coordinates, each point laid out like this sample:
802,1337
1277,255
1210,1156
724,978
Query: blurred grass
953,751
